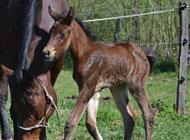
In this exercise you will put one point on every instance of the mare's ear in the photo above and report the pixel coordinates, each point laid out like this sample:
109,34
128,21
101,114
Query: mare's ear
70,16
6,71
54,15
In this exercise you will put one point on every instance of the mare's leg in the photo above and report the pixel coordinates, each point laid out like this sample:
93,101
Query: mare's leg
80,106
91,113
137,90
6,134
120,96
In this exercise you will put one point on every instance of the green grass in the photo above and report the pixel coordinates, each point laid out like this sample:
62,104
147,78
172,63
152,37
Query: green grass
162,93
161,89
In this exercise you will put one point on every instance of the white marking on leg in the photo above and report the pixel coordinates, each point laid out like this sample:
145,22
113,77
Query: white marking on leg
92,109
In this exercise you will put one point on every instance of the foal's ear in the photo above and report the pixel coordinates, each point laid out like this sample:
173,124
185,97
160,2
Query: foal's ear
71,13
70,16
54,15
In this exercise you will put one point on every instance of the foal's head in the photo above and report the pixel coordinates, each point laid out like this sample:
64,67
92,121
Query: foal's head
60,35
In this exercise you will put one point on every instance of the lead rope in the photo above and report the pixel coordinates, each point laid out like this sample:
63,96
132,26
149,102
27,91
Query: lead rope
49,97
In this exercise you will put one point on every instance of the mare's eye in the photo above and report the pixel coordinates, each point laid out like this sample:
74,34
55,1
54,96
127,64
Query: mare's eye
62,35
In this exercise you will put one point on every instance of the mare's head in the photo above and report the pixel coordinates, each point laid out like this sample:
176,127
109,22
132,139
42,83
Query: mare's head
60,35
32,107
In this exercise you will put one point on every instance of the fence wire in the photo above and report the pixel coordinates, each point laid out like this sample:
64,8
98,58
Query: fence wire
158,30
128,16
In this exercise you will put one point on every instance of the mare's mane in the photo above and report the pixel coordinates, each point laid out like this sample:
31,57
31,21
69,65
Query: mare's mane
28,14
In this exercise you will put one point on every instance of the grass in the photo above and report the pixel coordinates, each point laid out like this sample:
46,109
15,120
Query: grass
162,93
161,89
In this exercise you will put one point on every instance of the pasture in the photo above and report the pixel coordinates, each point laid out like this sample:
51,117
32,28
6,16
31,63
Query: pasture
161,89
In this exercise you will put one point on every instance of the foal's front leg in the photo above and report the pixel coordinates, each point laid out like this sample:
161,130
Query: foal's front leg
91,114
80,106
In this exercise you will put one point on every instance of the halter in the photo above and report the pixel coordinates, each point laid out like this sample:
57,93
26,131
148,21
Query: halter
49,99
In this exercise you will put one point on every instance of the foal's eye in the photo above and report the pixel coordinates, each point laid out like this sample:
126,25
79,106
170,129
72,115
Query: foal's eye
62,35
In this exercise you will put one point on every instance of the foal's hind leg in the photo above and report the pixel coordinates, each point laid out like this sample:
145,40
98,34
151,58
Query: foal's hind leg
6,134
120,96
138,92
91,113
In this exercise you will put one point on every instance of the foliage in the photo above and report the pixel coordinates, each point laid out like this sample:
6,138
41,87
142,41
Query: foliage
165,65
68,62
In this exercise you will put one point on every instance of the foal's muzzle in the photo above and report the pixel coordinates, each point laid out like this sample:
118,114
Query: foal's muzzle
46,55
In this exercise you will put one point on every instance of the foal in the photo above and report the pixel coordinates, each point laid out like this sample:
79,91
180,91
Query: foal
97,65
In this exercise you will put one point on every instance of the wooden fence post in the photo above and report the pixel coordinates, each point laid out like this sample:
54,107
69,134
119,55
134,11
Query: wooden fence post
117,30
183,55
136,23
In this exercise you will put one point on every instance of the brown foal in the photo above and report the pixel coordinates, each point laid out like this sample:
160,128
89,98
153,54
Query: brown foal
97,65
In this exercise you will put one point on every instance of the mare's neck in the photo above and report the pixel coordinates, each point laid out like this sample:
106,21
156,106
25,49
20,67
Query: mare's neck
81,43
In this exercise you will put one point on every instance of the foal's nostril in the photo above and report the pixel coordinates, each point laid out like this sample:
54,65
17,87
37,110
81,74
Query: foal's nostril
46,54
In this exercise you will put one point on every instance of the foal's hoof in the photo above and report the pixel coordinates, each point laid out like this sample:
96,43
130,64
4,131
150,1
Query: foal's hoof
156,111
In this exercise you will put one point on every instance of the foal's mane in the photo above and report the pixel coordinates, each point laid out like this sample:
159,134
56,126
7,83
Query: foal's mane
88,32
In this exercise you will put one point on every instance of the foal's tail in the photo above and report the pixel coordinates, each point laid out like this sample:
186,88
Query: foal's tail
151,55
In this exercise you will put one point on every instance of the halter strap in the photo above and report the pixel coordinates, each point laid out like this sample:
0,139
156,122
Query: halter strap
49,98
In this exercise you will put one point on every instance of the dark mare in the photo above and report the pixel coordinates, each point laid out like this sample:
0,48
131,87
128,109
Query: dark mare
97,65
24,28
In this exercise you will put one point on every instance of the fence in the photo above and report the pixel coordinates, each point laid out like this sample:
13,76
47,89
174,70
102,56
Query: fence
133,28
184,42
162,33
156,27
